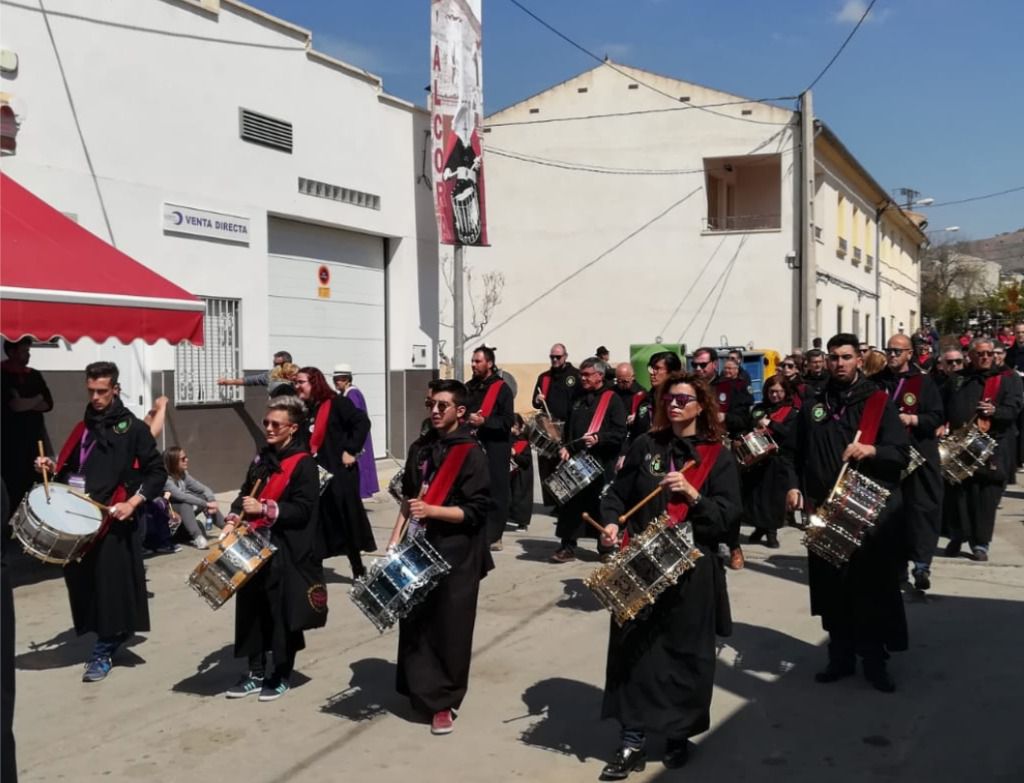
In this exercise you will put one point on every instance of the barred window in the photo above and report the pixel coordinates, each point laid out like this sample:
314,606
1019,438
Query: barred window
196,370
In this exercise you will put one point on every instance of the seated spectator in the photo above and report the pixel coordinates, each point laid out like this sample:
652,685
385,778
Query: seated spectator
159,524
189,497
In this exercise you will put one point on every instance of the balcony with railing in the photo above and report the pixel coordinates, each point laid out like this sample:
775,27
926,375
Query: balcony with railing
742,222
744,194
842,246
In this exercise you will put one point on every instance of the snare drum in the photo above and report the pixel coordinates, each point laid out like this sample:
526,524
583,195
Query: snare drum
916,461
395,583
395,485
754,447
838,529
57,531
230,563
324,476
964,452
573,476
466,207
545,434
636,576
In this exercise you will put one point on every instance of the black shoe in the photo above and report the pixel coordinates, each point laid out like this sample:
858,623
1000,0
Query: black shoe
773,540
981,555
834,671
953,548
922,579
626,760
756,536
677,753
878,675
358,572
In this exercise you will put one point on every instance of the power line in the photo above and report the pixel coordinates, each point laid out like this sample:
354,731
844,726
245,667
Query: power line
974,198
839,51
692,286
561,164
604,115
551,289
621,72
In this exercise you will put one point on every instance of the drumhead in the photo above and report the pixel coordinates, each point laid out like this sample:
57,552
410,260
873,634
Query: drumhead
64,512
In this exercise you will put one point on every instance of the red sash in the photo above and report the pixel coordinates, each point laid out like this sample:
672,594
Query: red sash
275,486
490,398
780,415
910,393
519,447
444,478
316,440
635,403
696,474
871,417
602,408
992,388
545,384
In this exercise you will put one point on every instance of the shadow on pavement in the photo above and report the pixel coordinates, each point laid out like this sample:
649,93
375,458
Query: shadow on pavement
215,673
27,570
791,567
537,550
579,597
370,694
569,713
69,649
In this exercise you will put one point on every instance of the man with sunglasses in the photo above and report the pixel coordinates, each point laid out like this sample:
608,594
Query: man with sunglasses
992,398
860,604
920,407
949,363
556,388
447,486
597,425
734,403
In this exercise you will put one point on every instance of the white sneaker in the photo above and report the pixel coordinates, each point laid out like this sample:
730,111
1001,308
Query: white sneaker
200,542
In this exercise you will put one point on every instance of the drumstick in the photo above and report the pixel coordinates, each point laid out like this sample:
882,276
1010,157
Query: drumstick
651,496
842,472
252,492
46,477
101,506
593,522
408,519
545,404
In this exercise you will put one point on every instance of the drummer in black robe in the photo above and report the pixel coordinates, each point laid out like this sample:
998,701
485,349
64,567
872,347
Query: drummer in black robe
639,420
520,508
448,482
111,456
555,391
990,397
492,414
287,595
661,664
765,481
919,403
597,426
335,431
860,604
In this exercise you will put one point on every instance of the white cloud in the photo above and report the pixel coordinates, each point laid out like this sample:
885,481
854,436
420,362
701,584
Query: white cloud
852,11
365,57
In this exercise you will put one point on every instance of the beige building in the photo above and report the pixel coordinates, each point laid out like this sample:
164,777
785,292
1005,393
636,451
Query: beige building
618,216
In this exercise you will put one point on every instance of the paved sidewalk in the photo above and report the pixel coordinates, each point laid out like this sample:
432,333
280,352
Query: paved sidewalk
533,704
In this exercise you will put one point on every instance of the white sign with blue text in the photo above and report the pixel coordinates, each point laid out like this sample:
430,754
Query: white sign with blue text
203,223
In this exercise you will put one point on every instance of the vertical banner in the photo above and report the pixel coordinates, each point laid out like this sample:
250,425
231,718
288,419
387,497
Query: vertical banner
457,111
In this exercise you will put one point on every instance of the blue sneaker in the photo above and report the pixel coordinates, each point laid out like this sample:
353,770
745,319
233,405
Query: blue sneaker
248,685
97,669
274,689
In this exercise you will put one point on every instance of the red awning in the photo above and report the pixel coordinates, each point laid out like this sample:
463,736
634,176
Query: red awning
59,280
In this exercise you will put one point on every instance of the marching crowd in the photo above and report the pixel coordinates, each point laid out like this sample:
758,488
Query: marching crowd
913,444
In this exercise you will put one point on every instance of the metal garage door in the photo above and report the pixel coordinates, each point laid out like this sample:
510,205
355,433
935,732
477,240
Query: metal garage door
348,325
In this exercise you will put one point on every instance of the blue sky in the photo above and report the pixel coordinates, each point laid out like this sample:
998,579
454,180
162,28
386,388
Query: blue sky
927,95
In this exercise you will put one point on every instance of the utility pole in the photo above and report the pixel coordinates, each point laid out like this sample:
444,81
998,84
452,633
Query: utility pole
459,336
808,308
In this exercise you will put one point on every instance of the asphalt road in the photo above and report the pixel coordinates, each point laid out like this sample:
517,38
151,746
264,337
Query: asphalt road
532,712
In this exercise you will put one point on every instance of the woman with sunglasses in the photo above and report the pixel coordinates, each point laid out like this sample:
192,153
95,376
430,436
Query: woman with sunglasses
287,595
765,482
661,665
335,431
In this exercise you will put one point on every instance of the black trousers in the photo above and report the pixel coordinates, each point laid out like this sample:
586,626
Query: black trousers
973,512
545,467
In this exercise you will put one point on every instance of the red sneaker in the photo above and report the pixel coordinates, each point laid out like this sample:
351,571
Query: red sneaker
442,722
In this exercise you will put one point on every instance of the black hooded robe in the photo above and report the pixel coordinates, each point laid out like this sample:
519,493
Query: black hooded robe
495,435
765,482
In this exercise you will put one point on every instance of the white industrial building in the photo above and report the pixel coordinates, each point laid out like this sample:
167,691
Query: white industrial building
215,145
620,212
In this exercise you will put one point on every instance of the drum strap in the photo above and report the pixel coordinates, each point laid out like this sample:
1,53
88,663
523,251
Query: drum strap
696,474
635,402
276,485
316,440
444,478
491,398
69,445
602,408
780,415
519,447
992,388
871,417
545,384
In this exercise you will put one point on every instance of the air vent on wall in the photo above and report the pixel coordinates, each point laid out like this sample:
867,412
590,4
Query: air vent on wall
261,129
312,187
